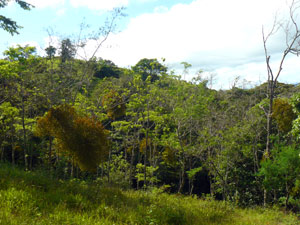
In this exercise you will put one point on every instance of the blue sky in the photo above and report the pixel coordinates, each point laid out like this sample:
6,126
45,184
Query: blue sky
222,38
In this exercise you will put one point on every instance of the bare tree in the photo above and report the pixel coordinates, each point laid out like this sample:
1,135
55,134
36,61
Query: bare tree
292,36
85,46
292,41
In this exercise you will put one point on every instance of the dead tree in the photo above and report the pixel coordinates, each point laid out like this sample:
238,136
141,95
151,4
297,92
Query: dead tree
292,41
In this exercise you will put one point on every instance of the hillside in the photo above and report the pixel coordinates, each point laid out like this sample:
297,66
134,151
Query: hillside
33,198
146,127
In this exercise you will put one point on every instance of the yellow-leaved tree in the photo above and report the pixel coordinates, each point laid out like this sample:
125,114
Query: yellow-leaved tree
84,138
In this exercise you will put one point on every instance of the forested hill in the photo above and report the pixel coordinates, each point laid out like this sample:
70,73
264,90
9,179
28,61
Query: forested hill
142,127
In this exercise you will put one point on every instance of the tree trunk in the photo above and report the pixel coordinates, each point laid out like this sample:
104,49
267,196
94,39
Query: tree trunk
23,126
211,187
181,178
50,155
146,149
12,152
72,168
131,164
108,166
2,153
271,87
269,118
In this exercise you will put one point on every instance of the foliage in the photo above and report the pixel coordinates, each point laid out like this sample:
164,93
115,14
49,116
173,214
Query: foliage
117,168
283,114
282,172
296,123
150,173
106,68
142,125
34,198
149,67
83,138
67,50
114,104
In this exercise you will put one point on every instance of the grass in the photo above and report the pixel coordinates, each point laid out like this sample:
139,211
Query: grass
33,198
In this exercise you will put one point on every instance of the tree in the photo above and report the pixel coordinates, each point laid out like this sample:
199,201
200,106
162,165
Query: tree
50,51
83,138
281,173
67,50
149,67
8,24
25,58
9,120
283,114
106,68
296,123
186,66
292,35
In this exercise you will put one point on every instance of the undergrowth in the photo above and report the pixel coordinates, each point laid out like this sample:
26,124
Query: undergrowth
34,198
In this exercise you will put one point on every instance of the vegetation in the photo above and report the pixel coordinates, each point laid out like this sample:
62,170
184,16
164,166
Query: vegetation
147,132
33,198
80,138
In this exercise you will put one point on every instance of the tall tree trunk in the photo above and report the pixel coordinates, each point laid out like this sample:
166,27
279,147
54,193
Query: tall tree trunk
108,166
2,153
24,134
13,154
72,168
146,149
181,178
271,87
131,165
269,117
50,154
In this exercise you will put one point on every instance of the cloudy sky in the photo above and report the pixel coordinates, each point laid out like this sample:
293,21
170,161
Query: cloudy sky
220,37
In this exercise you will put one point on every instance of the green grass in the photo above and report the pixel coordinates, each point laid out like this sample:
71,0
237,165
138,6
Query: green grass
33,198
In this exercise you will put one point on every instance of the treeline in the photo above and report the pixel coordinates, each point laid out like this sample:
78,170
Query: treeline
144,127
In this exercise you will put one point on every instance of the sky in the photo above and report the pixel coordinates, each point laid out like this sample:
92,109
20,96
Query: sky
223,38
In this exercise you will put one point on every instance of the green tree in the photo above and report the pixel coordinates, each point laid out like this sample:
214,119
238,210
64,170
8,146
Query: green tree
25,59
149,67
50,51
67,50
9,120
106,68
282,172
295,101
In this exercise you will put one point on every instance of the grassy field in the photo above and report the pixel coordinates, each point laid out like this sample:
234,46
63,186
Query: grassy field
33,198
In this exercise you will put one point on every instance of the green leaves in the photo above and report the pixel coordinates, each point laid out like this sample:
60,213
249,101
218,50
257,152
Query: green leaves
283,170
192,173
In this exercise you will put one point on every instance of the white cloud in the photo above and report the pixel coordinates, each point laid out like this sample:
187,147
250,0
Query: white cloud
99,4
61,12
160,9
214,35
145,1
52,40
46,3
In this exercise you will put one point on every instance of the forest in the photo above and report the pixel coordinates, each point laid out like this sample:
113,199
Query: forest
143,127
88,125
